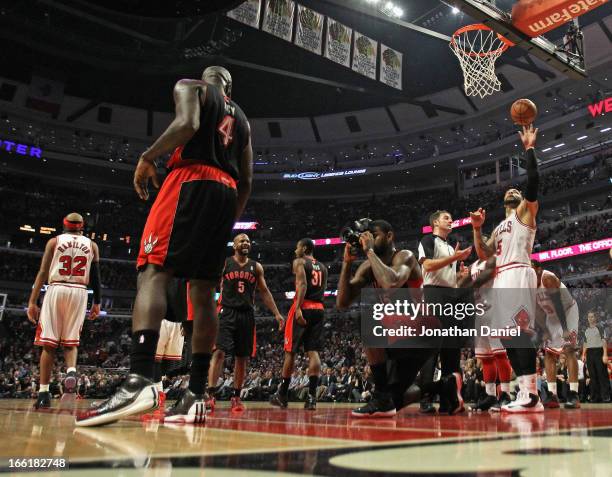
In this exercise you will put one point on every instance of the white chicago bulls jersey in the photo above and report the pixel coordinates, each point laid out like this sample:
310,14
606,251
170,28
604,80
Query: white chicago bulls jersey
544,301
72,260
476,269
513,241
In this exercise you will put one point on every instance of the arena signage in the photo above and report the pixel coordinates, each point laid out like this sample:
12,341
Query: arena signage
246,225
573,250
290,295
536,17
22,149
602,107
313,176
457,223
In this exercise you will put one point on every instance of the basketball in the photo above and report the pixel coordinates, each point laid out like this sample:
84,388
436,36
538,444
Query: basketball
523,112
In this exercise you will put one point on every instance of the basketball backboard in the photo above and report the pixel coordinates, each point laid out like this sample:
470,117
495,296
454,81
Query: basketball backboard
499,20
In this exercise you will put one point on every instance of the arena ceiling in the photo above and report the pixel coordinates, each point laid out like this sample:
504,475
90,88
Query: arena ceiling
114,57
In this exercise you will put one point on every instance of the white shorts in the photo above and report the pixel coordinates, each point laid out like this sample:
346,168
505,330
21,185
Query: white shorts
515,297
170,343
62,316
486,346
557,343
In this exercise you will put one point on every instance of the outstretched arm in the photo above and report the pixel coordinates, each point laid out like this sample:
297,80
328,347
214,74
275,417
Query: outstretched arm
41,278
266,296
528,208
553,289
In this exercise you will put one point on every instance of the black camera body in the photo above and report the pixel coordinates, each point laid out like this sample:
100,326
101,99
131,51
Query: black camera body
351,233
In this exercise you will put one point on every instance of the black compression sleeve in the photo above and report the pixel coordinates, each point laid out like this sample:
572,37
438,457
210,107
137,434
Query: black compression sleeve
94,281
533,178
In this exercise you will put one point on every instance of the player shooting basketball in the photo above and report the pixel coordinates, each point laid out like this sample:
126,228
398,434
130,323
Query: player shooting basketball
512,242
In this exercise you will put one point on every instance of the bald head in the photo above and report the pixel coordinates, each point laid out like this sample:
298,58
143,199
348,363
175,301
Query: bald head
219,77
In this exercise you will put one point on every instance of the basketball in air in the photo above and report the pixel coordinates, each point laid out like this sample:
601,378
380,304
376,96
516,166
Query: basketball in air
523,112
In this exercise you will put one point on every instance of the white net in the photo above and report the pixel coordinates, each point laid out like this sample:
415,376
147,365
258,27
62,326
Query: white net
478,47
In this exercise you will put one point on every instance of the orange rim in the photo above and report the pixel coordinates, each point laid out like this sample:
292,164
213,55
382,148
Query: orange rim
481,26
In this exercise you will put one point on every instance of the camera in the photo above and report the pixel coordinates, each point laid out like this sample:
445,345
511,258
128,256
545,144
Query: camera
351,233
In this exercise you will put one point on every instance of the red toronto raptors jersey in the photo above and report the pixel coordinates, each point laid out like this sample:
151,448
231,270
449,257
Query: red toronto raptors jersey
221,138
513,241
71,260
238,284
316,280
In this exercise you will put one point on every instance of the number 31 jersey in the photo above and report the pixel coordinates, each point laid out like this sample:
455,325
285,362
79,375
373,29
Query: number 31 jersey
316,280
71,260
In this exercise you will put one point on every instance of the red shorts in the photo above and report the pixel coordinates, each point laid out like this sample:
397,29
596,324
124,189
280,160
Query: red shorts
190,223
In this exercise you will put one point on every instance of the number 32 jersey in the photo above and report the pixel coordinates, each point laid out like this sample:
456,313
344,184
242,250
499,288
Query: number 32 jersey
71,260
316,280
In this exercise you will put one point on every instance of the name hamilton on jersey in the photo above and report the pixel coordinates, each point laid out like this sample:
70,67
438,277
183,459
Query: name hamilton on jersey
80,246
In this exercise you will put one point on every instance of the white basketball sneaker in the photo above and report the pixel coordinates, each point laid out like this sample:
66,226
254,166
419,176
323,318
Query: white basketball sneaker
524,403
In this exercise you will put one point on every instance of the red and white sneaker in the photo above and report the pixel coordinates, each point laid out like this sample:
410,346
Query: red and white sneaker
524,403
157,414
210,403
237,405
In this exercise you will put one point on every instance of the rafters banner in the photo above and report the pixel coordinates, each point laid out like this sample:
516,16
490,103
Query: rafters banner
390,67
309,33
278,19
338,44
248,13
364,55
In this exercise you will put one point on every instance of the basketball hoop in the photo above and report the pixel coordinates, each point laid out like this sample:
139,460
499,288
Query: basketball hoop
478,47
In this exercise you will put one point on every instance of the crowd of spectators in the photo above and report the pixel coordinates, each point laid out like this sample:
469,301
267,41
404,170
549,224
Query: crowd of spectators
103,359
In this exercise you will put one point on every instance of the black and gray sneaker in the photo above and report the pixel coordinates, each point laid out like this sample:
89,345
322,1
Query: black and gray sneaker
70,382
43,401
381,405
311,403
279,400
504,398
551,401
485,403
137,394
426,406
189,409
573,401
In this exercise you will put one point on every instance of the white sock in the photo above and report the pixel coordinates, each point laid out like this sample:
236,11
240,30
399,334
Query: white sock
160,387
574,387
490,388
521,383
531,384
552,387
70,369
43,388
505,387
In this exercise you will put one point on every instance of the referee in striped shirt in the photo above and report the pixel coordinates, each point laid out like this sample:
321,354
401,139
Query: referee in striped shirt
438,258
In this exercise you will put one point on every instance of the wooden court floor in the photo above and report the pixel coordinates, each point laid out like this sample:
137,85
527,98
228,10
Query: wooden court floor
265,440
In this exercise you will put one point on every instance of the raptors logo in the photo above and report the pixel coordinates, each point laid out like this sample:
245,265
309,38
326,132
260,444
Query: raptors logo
149,244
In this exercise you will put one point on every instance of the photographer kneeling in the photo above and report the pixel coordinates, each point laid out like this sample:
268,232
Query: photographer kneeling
393,369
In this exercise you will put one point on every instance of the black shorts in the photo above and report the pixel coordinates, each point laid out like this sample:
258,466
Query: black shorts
237,332
190,223
310,336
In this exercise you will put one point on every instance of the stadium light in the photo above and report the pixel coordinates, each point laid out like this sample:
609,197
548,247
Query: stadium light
455,10
605,130
581,138
547,149
560,145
